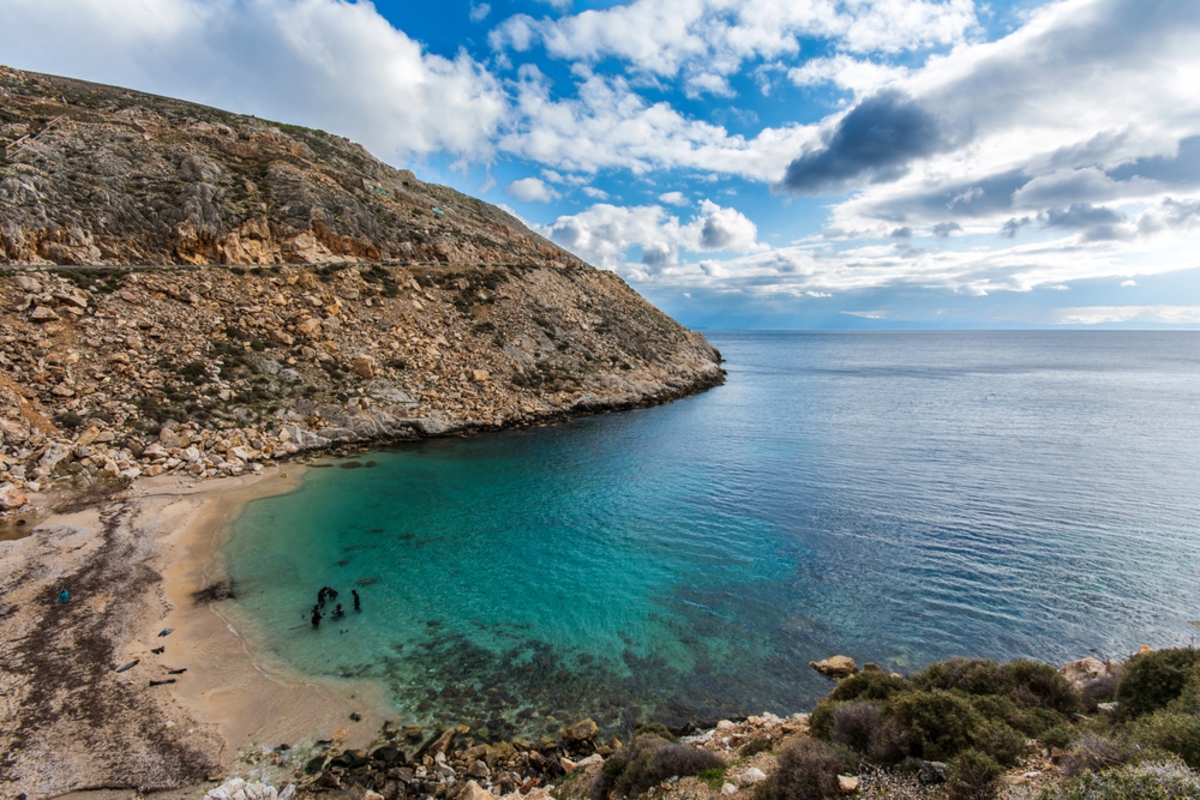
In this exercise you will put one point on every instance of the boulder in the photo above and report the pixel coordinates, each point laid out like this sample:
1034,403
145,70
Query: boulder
478,769
728,789
42,314
750,777
364,365
473,791
1084,671
835,667
848,784
580,732
11,497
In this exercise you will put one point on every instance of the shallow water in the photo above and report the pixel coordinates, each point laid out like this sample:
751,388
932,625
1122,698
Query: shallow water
898,497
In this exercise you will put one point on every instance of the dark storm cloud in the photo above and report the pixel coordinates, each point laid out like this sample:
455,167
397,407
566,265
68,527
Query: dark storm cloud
874,143
945,230
901,233
1082,215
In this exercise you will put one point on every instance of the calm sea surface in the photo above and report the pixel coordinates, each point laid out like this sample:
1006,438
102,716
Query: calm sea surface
896,497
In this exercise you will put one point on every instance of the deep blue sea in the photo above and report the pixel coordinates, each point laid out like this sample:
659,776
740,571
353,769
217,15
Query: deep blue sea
895,497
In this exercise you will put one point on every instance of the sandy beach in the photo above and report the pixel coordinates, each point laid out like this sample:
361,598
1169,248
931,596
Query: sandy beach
135,566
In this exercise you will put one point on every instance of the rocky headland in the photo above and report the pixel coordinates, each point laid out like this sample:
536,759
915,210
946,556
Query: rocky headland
306,296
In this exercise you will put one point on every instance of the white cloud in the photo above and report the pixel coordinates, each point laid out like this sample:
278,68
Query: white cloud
860,76
479,12
1161,314
594,193
716,37
532,190
1128,283
324,63
604,234
674,199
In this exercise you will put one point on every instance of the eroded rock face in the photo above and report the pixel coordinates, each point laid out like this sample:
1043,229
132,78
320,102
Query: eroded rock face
207,370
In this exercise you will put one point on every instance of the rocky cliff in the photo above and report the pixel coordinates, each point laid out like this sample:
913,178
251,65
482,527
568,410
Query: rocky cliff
318,297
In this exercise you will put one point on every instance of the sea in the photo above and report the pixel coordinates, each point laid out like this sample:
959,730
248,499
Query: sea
897,497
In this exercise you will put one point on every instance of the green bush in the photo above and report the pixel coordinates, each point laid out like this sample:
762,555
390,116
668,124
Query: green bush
1027,683
868,686
973,776
820,721
941,724
1160,781
1171,731
1059,736
807,770
651,760
1153,680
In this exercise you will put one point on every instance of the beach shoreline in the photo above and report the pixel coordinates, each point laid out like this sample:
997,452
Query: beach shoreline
133,566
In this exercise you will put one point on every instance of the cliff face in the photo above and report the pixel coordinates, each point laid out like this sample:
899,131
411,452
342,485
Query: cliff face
366,315
98,175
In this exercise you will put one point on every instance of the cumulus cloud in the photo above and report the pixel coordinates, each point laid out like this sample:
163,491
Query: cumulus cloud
1125,284
328,64
944,230
594,193
605,234
667,38
479,12
875,142
861,76
532,190
673,199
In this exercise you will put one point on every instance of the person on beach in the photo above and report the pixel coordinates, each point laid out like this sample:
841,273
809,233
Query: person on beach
317,616
338,613
357,602
320,598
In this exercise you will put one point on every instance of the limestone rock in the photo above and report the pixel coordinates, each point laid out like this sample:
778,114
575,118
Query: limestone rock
835,666
848,784
581,731
364,365
473,791
750,777
1085,671
728,789
11,497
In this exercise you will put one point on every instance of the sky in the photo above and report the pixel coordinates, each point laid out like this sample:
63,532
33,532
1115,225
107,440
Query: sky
763,164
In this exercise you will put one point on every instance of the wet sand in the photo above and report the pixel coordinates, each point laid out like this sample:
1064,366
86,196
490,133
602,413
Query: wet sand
134,567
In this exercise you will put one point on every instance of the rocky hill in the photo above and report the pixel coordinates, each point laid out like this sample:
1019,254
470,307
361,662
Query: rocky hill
308,296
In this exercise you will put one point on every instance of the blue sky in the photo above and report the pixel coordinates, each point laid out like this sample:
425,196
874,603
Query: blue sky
754,164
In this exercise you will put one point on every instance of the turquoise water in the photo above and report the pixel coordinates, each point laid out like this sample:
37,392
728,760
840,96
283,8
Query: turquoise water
898,497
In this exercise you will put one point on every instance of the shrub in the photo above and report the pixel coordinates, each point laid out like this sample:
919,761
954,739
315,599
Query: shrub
855,725
755,746
941,724
973,776
654,729
1094,753
1161,781
651,760
820,722
1153,680
869,686
1027,683
1058,736
807,770
1172,731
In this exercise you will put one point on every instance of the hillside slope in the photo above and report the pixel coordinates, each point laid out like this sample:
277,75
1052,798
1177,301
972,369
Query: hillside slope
317,298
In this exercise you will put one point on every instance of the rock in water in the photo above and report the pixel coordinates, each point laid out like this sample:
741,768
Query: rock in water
835,667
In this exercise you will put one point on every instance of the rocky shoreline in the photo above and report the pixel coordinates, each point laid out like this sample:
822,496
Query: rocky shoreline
110,374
